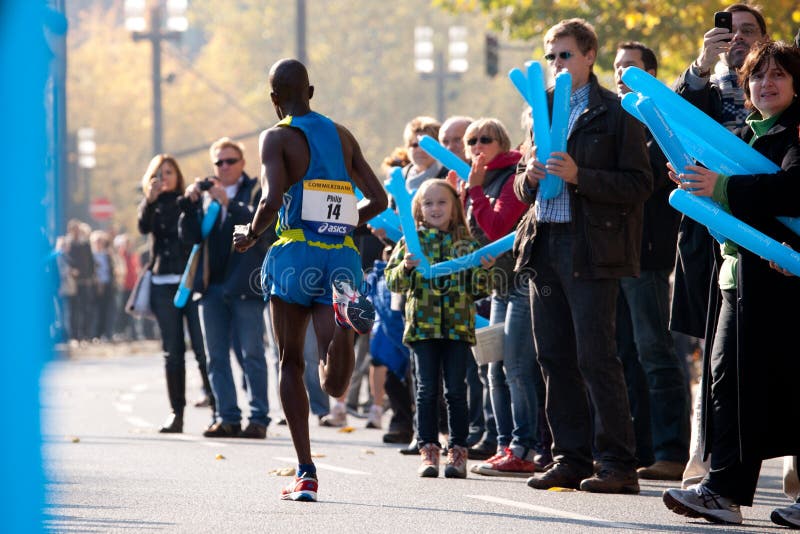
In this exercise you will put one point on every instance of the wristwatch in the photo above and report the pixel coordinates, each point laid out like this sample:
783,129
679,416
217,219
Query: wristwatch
701,73
250,234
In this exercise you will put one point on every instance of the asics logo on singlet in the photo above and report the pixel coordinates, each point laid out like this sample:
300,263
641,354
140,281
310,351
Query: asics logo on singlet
326,228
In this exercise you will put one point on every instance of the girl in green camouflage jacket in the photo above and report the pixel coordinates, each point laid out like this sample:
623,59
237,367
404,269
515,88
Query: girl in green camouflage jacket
440,320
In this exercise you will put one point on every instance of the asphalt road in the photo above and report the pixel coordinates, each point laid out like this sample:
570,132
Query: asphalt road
110,471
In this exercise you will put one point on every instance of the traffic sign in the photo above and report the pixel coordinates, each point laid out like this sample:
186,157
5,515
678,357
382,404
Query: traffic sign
101,209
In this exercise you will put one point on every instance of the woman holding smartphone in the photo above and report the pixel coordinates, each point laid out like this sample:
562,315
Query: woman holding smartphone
162,185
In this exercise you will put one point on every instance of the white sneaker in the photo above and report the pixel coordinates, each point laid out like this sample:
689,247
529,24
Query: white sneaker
788,516
699,501
337,418
374,417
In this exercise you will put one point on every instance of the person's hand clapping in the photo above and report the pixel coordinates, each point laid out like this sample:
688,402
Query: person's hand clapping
477,173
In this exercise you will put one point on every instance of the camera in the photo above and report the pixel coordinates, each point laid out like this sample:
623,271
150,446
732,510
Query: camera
205,184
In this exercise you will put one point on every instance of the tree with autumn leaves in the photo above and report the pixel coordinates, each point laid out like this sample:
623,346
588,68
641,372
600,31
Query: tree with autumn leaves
361,60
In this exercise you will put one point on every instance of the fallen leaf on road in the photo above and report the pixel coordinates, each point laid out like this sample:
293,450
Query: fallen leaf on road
219,457
368,451
74,439
557,488
347,429
282,472
317,455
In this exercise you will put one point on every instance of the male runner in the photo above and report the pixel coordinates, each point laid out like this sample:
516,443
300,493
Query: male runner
310,167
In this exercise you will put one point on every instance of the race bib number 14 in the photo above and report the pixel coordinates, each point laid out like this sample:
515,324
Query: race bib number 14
329,206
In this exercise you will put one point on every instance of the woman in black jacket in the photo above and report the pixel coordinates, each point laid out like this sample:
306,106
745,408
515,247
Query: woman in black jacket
750,398
163,184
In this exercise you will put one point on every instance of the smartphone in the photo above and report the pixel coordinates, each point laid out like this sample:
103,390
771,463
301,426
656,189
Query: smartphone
724,19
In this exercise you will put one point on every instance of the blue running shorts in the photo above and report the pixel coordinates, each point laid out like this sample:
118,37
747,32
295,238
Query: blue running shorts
299,273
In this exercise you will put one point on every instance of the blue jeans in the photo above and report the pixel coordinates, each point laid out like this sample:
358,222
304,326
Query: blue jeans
434,359
318,400
513,381
224,316
648,300
575,345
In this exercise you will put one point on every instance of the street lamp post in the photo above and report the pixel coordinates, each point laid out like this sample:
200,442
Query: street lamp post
86,162
137,23
430,63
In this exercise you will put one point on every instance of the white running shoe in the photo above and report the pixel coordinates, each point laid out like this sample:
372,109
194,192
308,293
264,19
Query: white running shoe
699,501
788,516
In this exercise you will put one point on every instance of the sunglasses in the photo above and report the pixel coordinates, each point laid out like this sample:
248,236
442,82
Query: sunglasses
563,55
227,161
484,140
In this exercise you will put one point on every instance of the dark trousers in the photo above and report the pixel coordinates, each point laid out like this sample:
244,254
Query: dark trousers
666,383
402,402
434,360
731,475
170,323
636,381
573,320
475,400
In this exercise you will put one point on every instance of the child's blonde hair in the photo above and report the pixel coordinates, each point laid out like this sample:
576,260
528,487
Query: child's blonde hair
458,222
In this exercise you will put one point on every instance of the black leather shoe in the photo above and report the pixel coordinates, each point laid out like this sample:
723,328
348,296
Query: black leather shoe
173,424
254,431
223,430
411,449
397,437
609,480
558,475
482,450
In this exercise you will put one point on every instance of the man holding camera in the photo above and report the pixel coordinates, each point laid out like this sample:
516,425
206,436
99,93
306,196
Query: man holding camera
231,303
711,84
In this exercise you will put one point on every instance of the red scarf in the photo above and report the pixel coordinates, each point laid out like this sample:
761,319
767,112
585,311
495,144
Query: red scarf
506,159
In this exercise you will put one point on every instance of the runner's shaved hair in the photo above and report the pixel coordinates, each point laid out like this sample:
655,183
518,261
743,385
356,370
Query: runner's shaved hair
288,79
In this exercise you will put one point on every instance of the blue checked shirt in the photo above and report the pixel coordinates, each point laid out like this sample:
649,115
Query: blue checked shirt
557,210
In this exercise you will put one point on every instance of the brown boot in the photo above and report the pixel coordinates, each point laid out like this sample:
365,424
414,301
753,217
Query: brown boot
662,470
609,480
429,468
559,475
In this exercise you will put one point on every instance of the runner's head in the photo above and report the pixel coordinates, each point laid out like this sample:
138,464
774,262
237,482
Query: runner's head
291,91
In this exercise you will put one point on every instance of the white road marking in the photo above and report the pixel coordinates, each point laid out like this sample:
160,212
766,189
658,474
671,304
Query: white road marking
127,397
555,512
139,422
328,467
138,388
200,440
123,408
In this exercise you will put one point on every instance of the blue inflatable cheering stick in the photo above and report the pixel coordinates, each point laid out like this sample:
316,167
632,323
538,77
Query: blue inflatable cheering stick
744,235
396,186
445,157
185,287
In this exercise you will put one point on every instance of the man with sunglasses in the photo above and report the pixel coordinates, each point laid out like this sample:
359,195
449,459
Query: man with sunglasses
231,306
579,244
